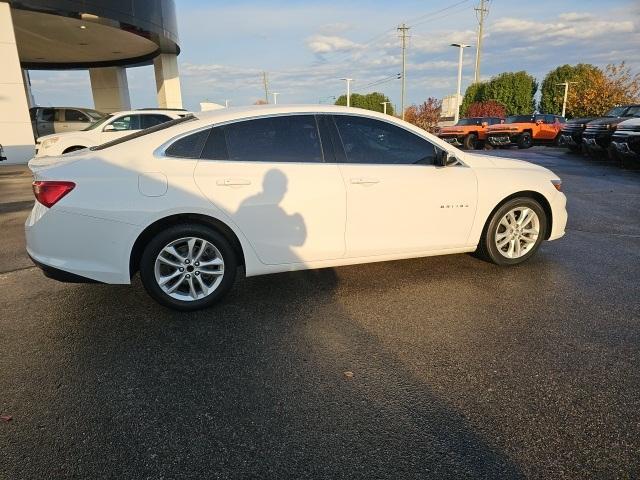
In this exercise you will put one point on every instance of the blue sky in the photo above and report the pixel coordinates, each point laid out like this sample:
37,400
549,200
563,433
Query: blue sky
307,46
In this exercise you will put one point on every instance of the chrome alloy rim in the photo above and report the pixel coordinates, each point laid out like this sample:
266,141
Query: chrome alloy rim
517,232
189,269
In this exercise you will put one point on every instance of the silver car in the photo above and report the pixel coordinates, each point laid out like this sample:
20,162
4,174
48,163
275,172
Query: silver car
48,120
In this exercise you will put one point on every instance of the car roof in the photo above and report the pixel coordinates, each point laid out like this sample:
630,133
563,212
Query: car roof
175,113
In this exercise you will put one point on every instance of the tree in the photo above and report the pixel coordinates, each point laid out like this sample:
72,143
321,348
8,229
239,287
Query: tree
260,102
553,94
425,115
473,94
371,101
490,108
601,90
515,90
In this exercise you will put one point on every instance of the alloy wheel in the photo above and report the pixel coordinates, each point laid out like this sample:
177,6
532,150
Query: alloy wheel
517,232
189,268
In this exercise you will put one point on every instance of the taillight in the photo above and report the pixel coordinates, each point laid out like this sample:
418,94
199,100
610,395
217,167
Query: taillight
48,193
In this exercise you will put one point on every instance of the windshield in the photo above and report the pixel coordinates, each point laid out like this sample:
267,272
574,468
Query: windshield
94,114
520,119
102,121
469,121
633,111
616,112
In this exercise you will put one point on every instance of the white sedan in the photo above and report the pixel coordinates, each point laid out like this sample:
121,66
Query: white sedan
111,127
278,188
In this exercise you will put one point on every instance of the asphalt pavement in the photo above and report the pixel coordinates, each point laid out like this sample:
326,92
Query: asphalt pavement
457,368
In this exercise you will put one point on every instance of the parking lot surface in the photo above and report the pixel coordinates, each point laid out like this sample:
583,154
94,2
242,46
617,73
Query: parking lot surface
460,369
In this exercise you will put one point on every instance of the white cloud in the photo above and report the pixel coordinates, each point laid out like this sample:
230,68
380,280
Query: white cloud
321,44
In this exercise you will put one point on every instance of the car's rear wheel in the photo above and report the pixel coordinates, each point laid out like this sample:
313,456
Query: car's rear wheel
470,141
525,140
188,267
514,232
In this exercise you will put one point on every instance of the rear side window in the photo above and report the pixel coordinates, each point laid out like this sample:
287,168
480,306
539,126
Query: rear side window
290,138
151,120
367,140
189,146
74,116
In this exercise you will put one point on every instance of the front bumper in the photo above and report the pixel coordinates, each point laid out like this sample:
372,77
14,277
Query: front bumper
456,141
560,216
502,139
600,141
570,139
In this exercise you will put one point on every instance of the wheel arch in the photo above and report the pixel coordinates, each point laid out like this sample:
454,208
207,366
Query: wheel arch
537,196
177,219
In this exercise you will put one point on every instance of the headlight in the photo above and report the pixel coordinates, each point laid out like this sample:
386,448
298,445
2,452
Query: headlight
49,141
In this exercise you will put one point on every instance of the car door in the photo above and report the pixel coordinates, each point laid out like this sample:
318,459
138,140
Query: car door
269,177
72,120
398,200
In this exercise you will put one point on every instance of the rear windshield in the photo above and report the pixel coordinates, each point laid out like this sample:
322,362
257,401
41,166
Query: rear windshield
144,132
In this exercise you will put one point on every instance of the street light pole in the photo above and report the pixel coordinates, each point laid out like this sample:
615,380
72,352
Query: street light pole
461,47
566,94
348,80
275,97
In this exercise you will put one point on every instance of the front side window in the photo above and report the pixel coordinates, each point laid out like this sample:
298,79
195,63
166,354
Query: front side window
289,138
128,122
74,116
367,140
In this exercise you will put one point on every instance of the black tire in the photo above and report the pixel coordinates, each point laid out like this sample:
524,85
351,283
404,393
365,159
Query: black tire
164,238
73,149
470,141
487,248
525,140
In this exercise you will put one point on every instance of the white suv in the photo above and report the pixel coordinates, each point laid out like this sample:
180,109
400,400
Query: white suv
109,128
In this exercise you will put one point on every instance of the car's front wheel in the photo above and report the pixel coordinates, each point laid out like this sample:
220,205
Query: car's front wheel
525,140
514,232
188,267
470,141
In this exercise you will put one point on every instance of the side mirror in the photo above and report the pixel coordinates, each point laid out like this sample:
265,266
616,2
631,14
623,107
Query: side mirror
445,159
2,157
109,128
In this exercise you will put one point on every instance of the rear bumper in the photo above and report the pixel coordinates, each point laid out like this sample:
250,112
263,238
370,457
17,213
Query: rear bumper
61,275
75,247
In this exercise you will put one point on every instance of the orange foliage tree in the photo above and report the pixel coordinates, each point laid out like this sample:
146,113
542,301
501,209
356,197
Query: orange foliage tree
599,90
424,115
490,108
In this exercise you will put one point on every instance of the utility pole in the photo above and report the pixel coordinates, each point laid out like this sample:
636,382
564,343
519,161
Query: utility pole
461,47
403,29
275,97
481,13
265,82
226,103
348,80
384,105
566,93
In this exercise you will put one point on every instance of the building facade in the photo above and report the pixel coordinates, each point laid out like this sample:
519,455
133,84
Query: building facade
102,36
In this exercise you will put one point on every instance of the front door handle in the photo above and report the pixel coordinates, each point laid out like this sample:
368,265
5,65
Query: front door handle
233,182
364,181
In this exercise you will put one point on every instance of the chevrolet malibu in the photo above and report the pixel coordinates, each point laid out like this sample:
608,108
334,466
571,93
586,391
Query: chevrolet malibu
274,189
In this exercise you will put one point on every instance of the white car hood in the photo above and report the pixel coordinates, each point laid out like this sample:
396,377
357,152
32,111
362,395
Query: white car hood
490,161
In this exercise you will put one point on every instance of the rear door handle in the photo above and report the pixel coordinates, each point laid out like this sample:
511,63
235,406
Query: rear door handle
364,181
232,182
